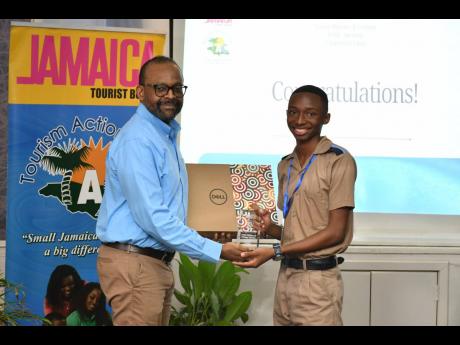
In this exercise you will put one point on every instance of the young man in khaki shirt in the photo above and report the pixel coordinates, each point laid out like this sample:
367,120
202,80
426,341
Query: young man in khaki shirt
316,194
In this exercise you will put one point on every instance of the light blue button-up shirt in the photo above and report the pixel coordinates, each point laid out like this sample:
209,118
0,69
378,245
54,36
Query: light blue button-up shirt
146,191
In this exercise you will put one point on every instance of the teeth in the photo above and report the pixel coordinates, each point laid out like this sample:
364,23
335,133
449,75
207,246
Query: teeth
300,131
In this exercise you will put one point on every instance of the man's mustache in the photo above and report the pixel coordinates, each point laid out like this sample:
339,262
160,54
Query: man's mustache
169,102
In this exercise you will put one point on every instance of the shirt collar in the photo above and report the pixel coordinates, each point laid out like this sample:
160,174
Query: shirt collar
170,130
323,146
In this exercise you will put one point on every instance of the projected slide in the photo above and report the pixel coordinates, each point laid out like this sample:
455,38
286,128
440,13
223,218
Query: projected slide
393,88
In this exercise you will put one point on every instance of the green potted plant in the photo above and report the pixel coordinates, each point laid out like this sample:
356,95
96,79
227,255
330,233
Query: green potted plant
12,305
210,296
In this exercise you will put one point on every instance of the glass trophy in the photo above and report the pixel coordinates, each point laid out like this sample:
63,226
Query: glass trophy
246,232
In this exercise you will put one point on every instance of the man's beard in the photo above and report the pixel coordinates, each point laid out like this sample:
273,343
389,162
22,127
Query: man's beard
166,116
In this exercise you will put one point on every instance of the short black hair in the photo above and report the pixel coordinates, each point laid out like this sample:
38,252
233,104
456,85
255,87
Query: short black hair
317,91
159,59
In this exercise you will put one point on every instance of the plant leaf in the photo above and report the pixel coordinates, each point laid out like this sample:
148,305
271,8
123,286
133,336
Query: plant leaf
183,298
13,309
239,306
223,323
185,275
216,307
207,270
228,291
197,282
194,275
223,278
210,296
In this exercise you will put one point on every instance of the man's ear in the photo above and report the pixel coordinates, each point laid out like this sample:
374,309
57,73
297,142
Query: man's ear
326,118
140,92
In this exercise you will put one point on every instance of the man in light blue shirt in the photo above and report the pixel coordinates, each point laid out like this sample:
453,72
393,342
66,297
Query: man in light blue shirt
142,217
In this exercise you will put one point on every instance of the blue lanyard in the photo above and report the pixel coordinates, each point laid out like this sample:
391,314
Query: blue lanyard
287,200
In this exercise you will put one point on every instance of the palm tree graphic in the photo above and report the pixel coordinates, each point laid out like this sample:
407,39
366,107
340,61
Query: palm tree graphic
64,161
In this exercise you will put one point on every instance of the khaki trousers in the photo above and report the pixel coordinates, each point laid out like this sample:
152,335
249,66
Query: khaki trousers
305,297
138,288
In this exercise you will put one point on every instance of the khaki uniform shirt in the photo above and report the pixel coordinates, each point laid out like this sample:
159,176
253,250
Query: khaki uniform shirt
328,184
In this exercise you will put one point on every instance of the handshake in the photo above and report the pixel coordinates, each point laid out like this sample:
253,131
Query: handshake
250,256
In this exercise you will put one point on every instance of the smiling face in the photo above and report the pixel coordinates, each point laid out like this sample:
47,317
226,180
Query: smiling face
67,287
305,116
93,300
168,106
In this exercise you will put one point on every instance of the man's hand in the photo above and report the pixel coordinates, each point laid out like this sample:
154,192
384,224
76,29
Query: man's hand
232,251
256,257
261,221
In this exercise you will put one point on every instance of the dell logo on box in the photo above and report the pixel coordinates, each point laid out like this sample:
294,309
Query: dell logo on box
218,196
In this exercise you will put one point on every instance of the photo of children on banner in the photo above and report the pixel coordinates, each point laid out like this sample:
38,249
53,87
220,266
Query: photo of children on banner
90,307
63,284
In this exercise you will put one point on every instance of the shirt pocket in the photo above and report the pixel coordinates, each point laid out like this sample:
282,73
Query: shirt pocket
313,191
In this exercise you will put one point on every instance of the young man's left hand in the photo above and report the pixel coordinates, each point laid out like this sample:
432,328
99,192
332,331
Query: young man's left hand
255,258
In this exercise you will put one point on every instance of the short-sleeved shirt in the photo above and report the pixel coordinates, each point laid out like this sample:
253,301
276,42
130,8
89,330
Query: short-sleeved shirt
328,184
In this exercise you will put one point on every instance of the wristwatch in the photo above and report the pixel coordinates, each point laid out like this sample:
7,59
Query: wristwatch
278,256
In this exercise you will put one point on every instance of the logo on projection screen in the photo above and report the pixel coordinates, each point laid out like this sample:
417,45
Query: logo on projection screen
218,46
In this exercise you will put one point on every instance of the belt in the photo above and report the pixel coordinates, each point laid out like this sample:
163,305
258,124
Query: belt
313,264
154,253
